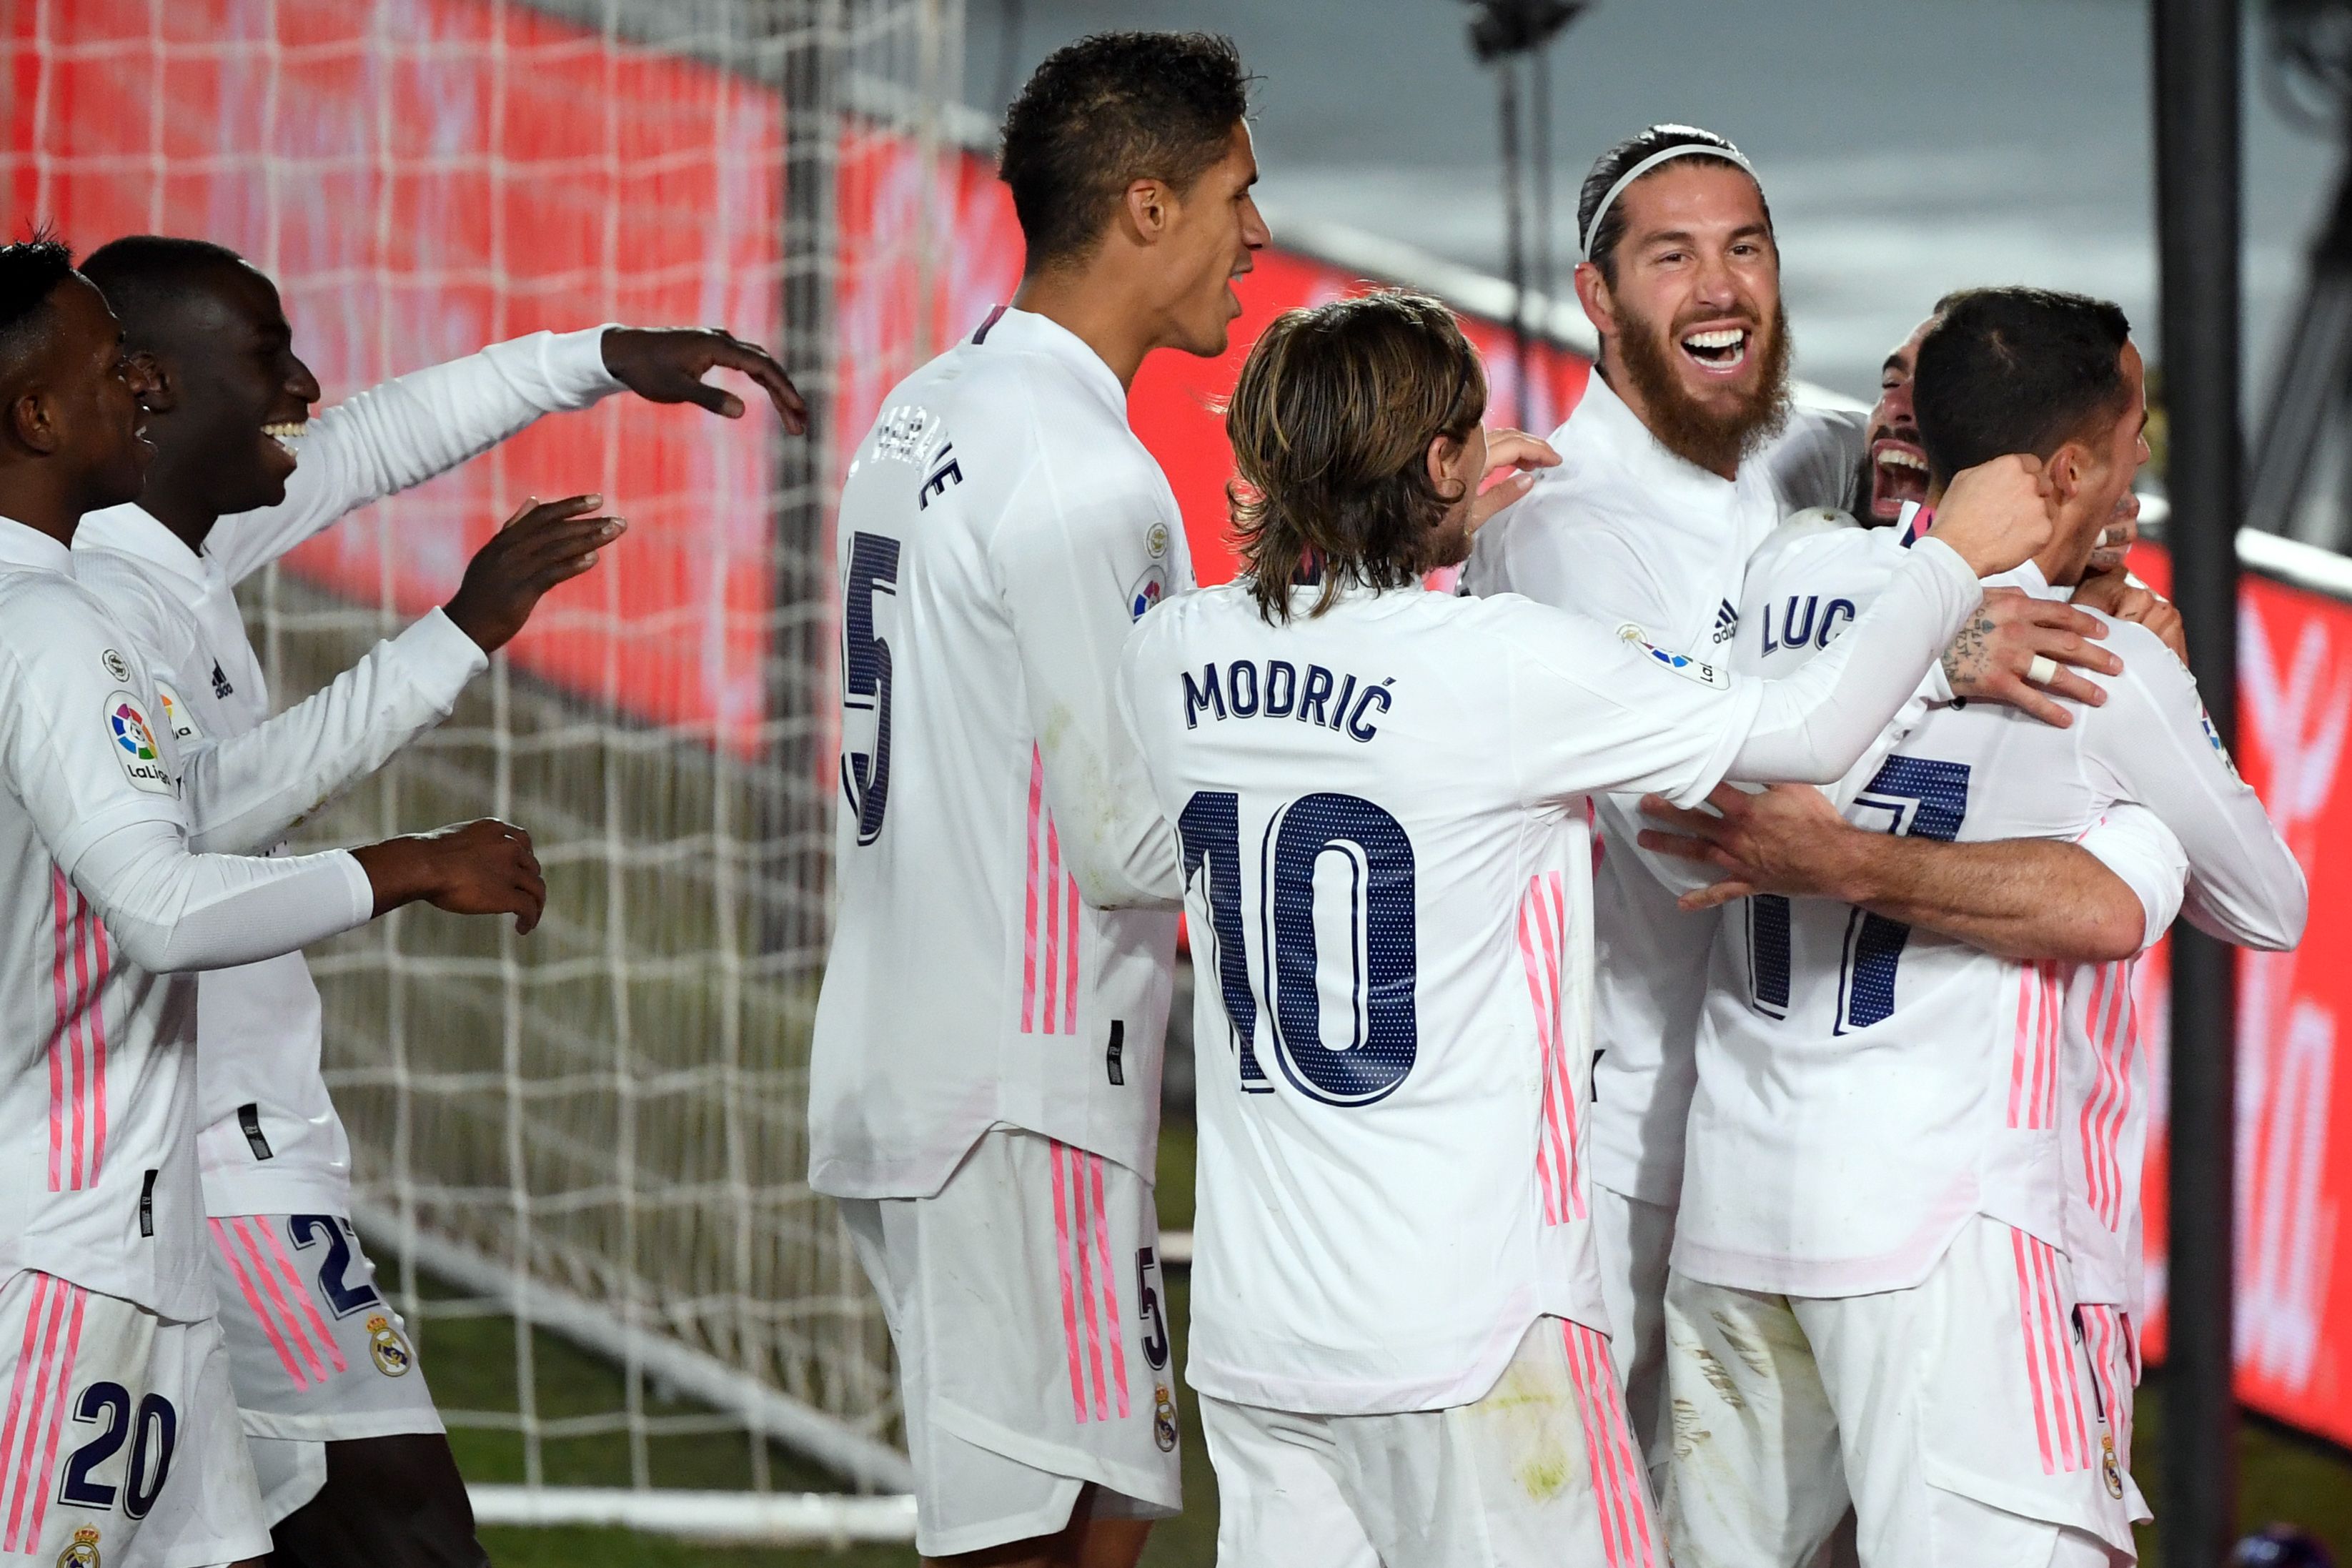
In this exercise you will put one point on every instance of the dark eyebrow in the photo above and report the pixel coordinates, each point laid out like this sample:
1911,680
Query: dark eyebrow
1683,236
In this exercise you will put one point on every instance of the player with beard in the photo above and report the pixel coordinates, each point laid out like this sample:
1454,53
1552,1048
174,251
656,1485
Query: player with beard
1663,493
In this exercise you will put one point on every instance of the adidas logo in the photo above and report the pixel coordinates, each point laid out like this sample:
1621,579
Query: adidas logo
1726,622
221,687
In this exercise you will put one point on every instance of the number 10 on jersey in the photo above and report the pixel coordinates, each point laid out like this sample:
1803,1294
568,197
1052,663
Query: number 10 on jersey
1355,950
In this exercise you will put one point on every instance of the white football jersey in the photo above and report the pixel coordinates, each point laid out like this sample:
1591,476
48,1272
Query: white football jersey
272,1143
1383,820
97,1174
1625,530
1865,1088
1001,529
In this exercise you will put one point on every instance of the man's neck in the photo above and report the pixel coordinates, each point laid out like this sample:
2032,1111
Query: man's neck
189,521
40,507
1094,308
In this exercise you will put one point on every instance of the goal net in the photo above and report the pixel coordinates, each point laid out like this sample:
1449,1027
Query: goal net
580,1156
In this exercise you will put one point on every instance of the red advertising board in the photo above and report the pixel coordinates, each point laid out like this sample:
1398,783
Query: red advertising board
424,176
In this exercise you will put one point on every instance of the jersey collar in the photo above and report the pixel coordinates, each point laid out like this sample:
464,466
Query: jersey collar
1025,331
25,548
132,530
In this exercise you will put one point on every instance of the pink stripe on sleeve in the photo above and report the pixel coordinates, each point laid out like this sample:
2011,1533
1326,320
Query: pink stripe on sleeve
77,1037
299,1293
2018,1046
1116,1324
81,1299
1054,1154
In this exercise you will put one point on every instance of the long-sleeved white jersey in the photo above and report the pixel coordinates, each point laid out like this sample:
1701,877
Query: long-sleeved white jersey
1865,1088
1382,812
98,1173
1001,529
1625,530
272,1143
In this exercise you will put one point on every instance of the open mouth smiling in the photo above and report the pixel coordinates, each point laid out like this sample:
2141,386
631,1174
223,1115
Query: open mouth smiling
1898,472
285,433
1718,350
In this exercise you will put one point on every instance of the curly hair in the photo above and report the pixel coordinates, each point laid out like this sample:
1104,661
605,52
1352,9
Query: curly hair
1105,111
31,271
1330,424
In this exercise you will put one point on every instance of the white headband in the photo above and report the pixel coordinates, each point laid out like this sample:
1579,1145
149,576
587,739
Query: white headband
1679,150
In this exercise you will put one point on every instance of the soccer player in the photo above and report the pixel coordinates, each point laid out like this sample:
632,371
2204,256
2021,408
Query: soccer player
353,1463
1663,493
1859,1040
1398,1336
120,1436
984,1090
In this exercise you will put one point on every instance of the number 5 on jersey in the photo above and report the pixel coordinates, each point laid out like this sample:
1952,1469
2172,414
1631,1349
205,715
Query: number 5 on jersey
1335,903
865,680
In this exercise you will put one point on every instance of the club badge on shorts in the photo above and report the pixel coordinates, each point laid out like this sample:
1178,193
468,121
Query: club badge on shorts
2109,1471
1163,1418
391,1352
83,1553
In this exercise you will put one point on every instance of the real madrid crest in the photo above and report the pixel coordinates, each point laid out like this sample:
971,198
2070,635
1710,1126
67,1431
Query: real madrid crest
83,1553
1163,1418
2109,1471
393,1357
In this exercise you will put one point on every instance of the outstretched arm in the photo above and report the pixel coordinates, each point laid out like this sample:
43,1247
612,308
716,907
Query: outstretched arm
413,427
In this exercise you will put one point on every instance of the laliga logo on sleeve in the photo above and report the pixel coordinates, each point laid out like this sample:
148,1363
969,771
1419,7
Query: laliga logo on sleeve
1147,591
134,744
1681,664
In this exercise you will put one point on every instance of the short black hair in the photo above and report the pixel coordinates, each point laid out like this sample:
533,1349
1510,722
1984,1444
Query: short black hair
2015,370
1108,111
1610,168
143,275
31,271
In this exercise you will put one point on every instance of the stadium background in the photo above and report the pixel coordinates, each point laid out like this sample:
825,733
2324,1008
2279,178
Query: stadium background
605,1119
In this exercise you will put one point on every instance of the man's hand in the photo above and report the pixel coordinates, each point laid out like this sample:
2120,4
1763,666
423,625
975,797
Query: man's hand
483,867
543,543
2118,538
1996,514
667,364
1992,658
1789,839
1516,451
2117,595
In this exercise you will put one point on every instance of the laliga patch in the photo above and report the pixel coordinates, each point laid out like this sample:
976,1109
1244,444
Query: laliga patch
387,1349
176,717
116,665
134,744
2213,739
1681,664
1147,590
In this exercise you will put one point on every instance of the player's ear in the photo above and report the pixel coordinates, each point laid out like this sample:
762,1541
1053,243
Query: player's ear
1147,210
1593,293
153,380
2065,469
1443,451
31,420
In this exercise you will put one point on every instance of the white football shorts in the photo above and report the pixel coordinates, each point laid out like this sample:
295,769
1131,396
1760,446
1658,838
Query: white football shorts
120,1446
1542,1470
316,1352
1964,1419
1024,1301
1631,1241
